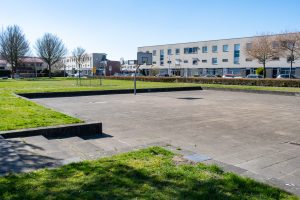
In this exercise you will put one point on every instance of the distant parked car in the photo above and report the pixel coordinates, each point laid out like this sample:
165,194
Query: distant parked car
254,76
117,74
209,76
81,75
137,74
286,76
228,76
163,75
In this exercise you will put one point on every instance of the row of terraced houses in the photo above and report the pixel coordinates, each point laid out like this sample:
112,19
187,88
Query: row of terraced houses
215,57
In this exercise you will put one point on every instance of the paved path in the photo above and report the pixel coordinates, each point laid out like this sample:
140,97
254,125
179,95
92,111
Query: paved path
255,132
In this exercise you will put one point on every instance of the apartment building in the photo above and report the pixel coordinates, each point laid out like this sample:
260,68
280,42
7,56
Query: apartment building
91,61
216,57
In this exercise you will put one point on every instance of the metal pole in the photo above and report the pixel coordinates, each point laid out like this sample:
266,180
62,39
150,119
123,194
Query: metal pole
134,79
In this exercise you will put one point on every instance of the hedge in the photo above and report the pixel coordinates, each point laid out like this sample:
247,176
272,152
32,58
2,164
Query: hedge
224,81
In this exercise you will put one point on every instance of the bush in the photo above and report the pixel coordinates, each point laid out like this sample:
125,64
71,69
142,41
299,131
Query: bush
224,81
260,71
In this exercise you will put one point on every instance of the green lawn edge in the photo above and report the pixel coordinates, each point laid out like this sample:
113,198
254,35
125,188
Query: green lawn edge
149,173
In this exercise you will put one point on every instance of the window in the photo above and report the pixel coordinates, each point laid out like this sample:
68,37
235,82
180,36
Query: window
224,60
169,51
236,56
177,51
204,61
248,59
276,58
195,61
214,61
225,48
237,47
204,49
185,61
154,63
154,52
162,56
215,49
192,50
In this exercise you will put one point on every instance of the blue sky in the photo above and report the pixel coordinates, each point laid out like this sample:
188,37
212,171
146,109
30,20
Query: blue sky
118,27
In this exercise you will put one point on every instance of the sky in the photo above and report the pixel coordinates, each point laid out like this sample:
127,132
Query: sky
118,27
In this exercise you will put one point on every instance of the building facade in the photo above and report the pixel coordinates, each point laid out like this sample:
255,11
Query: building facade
93,64
27,67
128,66
215,57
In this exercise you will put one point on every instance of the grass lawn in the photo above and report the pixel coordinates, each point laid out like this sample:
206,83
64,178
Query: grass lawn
145,174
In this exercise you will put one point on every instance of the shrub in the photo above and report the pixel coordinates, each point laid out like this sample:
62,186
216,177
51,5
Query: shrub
260,71
224,81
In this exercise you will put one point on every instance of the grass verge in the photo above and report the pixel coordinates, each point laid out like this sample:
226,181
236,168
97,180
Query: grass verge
145,174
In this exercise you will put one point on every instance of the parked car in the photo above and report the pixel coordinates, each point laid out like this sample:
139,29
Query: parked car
81,75
137,74
228,76
163,75
209,76
117,74
286,76
254,76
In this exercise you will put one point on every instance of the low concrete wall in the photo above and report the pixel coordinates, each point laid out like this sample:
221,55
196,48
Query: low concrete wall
102,92
61,131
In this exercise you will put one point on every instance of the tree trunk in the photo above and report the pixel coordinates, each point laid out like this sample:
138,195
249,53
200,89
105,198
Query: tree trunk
291,67
264,69
49,71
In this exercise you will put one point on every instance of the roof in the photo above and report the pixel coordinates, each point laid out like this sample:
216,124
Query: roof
26,59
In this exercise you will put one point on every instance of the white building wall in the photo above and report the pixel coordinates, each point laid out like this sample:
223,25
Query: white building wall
243,64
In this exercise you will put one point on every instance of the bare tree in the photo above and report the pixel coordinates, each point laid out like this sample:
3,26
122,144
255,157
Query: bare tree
262,49
80,55
51,49
289,46
13,46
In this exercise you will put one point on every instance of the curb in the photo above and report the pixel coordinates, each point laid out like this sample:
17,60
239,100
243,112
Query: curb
60,131
103,92
255,91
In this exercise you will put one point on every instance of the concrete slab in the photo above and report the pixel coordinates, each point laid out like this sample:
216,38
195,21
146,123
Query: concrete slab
250,131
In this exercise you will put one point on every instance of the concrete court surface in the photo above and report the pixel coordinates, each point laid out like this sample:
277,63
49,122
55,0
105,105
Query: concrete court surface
256,132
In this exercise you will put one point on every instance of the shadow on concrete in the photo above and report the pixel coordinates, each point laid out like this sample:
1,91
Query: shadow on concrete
87,137
189,98
94,137
17,156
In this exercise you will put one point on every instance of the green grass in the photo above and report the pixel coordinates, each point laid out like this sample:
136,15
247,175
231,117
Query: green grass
17,113
145,174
